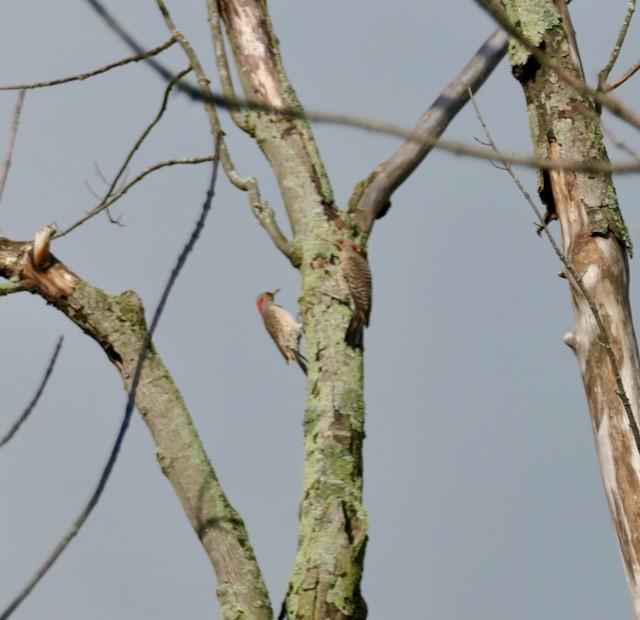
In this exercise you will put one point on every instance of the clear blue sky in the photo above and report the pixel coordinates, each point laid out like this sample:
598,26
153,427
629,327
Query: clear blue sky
482,486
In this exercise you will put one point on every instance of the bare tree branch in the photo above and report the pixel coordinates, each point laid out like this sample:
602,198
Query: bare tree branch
83,76
576,280
370,199
614,105
15,123
124,189
109,198
34,401
106,199
603,76
598,245
146,132
203,80
122,33
117,323
619,143
267,219
222,61
622,78
374,125
263,212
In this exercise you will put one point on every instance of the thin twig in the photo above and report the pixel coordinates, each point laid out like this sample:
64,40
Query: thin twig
263,212
619,143
128,186
603,76
77,524
222,61
34,401
144,135
622,78
232,103
107,199
203,80
614,105
15,123
606,342
83,76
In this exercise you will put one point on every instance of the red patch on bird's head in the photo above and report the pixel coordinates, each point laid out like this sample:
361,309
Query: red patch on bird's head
355,248
260,303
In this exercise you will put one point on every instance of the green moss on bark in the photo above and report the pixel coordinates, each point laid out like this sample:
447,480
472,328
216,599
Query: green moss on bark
535,18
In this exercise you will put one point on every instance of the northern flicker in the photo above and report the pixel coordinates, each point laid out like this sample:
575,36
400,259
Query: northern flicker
355,273
282,327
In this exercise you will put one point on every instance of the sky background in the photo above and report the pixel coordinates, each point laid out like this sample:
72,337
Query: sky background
481,481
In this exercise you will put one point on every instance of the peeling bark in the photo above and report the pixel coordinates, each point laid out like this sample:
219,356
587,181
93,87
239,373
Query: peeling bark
287,143
325,582
565,124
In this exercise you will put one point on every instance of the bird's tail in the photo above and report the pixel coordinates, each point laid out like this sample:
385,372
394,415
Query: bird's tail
301,359
355,333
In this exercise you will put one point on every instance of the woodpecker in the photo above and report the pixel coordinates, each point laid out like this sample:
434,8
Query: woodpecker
355,273
282,327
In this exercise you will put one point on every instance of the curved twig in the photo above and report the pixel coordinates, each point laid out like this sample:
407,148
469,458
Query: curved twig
95,497
263,212
603,76
619,143
378,126
622,78
267,219
145,133
222,61
34,401
83,76
577,280
15,123
122,191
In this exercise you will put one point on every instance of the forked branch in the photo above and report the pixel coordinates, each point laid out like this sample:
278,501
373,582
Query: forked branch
371,197
603,76
117,324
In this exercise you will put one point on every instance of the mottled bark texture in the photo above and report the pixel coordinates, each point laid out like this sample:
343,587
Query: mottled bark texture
117,324
566,124
325,582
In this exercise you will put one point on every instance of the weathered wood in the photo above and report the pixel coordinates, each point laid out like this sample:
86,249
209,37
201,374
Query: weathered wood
565,124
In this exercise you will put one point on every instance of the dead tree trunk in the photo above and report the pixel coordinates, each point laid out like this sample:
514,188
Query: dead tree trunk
565,124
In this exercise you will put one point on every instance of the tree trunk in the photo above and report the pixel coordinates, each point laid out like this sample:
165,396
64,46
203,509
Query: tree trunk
325,582
565,124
